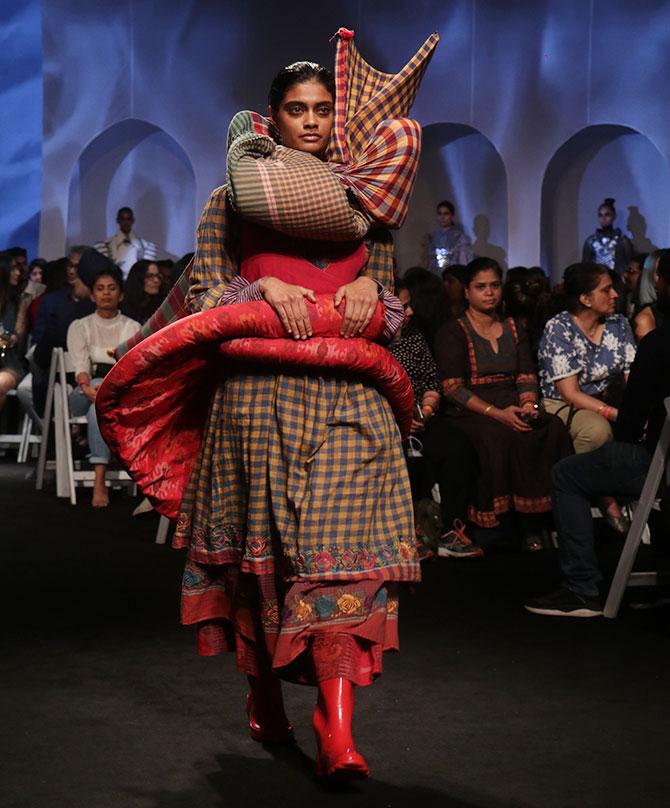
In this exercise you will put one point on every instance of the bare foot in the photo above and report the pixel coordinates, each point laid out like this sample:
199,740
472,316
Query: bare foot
100,498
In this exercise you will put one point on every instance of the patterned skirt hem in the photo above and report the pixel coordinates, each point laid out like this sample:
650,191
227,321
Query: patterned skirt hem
505,504
352,623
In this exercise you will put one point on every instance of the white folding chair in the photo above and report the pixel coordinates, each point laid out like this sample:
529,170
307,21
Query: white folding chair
163,528
624,575
67,476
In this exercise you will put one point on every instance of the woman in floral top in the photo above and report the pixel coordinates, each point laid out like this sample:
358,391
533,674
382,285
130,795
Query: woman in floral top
585,356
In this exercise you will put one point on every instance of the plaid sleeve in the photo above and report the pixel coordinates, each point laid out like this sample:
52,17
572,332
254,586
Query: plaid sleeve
213,267
379,267
381,262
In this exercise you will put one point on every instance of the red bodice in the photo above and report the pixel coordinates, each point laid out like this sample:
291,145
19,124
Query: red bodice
265,252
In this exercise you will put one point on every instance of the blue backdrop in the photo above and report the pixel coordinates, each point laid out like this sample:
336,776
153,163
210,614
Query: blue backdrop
533,111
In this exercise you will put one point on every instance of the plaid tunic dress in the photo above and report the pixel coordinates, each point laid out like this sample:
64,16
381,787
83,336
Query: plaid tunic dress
297,517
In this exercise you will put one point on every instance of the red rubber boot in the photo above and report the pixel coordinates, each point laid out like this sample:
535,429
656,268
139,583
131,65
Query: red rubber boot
265,709
337,757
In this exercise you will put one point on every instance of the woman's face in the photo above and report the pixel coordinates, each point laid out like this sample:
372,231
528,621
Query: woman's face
36,274
305,117
605,217
602,299
106,294
445,218
631,275
404,298
484,292
152,280
14,274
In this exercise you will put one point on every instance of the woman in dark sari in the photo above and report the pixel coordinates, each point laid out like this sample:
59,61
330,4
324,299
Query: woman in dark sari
489,381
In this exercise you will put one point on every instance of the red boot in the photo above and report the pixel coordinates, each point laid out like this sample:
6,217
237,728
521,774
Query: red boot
334,709
265,709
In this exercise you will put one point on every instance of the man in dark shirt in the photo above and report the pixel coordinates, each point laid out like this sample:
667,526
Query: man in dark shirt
617,468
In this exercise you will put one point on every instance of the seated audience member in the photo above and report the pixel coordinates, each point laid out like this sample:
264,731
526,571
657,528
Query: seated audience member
619,467
30,288
429,301
91,342
453,279
125,247
57,310
36,270
452,459
54,277
13,326
20,256
525,298
144,291
585,355
631,280
489,382
448,244
648,315
167,269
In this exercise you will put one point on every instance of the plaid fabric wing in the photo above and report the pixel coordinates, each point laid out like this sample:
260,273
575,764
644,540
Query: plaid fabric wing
365,96
382,177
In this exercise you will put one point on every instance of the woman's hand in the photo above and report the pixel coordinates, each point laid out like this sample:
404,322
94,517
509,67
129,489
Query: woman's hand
511,417
89,392
417,426
288,301
361,297
531,411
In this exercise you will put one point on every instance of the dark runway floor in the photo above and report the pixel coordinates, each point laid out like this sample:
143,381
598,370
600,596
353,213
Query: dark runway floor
105,704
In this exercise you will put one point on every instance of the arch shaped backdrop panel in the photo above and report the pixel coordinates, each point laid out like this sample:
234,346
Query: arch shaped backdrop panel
460,164
137,164
601,161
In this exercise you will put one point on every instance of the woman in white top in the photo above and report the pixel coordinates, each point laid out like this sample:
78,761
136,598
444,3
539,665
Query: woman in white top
90,343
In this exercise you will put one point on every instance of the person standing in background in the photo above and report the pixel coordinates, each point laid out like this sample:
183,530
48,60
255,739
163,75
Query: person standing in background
125,248
447,244
608,245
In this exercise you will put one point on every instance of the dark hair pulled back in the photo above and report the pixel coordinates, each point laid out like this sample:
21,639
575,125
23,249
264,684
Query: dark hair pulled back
608,202
478,265
297,73
578,280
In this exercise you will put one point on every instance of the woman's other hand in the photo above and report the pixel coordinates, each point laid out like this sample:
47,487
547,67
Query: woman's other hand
288,301
511,417
417,426
361,297
89,392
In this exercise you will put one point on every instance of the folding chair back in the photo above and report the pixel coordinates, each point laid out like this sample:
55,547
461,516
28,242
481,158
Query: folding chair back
624,575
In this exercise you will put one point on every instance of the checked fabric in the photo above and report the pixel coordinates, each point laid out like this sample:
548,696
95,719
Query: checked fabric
374,152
